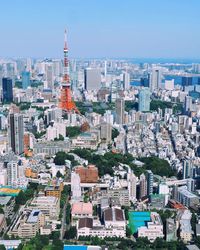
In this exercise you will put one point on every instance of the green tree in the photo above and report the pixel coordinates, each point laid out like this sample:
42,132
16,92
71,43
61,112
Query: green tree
71,233
73,131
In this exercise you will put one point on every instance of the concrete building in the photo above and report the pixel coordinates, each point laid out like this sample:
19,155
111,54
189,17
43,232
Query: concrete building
126,81
187,198
144,100
86,227
171,231
76,187
28,224
92,79
48,205
106,132
156,78
16,133
119,109
143,186
87,174
153,229
13,172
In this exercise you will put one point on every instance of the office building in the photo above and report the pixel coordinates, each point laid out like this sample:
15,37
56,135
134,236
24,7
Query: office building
156,79
126,81
49,76
186,81
106,132
16,133
7,88
188,104
188,169
144,100
119,109
92,78
145,81
25,79
149,178
169,84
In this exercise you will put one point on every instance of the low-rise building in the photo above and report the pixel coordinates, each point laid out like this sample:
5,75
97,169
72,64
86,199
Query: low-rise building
81,210
28,224
153,229
85,227
48,205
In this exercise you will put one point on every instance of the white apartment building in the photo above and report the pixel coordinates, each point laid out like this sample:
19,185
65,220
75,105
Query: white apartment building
154,228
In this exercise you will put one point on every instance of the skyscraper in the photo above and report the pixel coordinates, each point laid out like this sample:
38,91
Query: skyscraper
119,109
16,133
149,178
126,80
25,79
156,78
188,104
92,79
106,132
7,89
49,76
144,99
188,169
186,81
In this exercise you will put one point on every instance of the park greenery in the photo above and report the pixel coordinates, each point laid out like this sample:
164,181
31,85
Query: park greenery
73,131
156,104
61,157
106,162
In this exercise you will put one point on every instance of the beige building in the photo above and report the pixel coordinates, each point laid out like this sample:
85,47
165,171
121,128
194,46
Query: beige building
49,205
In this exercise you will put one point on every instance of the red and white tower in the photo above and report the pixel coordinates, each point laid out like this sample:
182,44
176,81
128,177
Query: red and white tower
66,102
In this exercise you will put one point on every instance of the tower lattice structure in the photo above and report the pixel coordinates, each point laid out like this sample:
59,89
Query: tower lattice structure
66,102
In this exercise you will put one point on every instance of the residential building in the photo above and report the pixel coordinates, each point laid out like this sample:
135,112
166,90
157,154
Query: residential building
16,133
171,231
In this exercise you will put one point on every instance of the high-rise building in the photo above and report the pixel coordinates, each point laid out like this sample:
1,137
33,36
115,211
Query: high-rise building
49,76
188,104
188,169
12,171
126,80
144,99
186,81
149,178
119,109
16,133
106,132
7,89
145,81
25,79
156,78
132,182
143,186
92,78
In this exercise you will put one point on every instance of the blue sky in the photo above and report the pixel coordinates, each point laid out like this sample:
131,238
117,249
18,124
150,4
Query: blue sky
100,28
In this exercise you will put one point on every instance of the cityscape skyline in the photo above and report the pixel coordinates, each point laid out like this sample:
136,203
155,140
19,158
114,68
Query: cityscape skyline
101,29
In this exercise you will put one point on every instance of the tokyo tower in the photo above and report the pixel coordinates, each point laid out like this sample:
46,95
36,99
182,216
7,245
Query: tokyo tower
66,103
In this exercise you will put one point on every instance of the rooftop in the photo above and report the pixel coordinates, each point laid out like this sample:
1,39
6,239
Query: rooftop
82,208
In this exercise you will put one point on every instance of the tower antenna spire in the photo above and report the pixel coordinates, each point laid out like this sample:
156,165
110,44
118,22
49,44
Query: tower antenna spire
66,102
